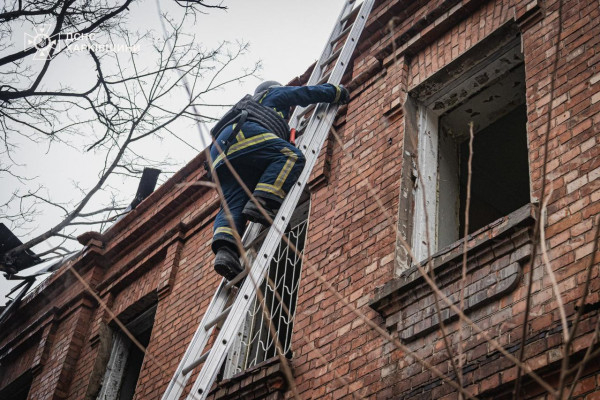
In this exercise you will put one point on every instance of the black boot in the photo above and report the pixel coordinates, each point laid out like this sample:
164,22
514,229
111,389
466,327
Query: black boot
227,263
252,212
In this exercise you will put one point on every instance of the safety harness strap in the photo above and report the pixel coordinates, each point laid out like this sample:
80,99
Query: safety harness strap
256,112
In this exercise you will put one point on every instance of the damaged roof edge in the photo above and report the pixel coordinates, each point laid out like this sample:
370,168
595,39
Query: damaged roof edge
192,166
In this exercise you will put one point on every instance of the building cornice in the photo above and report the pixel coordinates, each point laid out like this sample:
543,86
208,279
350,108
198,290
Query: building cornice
186,186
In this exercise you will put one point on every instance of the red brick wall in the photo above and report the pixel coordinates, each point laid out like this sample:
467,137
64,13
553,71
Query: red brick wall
351,244
354,263
162,249
54,379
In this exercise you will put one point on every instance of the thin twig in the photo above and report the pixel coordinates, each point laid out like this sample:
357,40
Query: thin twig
550,271
197,183
536,229
571,336
463,279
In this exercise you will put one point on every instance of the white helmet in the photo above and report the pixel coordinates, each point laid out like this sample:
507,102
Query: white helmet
266,85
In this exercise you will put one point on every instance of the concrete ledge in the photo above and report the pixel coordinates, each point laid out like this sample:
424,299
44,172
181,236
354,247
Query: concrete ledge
494,266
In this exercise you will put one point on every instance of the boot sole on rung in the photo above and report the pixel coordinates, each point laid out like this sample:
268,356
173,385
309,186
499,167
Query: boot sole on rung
253,214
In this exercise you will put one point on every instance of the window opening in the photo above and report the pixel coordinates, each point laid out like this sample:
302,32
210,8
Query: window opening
491,93
126,359
19,388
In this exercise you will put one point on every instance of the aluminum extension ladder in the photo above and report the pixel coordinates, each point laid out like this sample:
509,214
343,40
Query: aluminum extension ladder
310,143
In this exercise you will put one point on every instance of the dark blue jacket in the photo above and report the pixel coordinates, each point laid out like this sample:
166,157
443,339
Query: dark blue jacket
253,136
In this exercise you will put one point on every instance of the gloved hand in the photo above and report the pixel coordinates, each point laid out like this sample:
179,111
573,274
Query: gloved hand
344,95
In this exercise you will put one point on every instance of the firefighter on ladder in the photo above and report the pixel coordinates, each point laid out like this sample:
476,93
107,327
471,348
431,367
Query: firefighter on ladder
254,136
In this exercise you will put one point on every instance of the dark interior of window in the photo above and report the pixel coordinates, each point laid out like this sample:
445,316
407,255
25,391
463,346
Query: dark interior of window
19,388
133,365
500,167
500,171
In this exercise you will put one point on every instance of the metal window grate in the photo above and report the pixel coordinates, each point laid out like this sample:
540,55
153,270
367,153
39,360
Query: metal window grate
255,342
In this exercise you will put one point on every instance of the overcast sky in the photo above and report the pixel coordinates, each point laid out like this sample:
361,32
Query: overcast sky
286,35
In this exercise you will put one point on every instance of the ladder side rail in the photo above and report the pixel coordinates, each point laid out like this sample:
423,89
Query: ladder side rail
248,291
359,24
342,62
327,51
323,117
316,138
196,346
316,141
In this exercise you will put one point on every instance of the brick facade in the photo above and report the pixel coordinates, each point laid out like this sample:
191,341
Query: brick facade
362,206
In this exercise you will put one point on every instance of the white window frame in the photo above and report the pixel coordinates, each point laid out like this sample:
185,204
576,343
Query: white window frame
425,216
121,348
435,193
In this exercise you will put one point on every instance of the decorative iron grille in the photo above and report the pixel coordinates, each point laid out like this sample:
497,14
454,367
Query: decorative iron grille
255,341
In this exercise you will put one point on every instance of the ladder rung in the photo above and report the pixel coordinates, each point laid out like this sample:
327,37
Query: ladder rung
332,57
324,79
238,278
218,318
349,15
341,35
257,239
194,364
307,110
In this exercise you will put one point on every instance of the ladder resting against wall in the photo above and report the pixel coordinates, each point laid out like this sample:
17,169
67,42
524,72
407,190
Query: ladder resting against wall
316,121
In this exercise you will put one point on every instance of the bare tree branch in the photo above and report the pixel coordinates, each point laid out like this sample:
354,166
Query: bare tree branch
538,221
125,105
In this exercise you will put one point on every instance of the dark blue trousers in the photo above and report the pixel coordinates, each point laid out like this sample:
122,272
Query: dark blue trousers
269,171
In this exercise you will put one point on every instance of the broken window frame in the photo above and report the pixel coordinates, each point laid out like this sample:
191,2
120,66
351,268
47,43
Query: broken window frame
424,101
120,354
